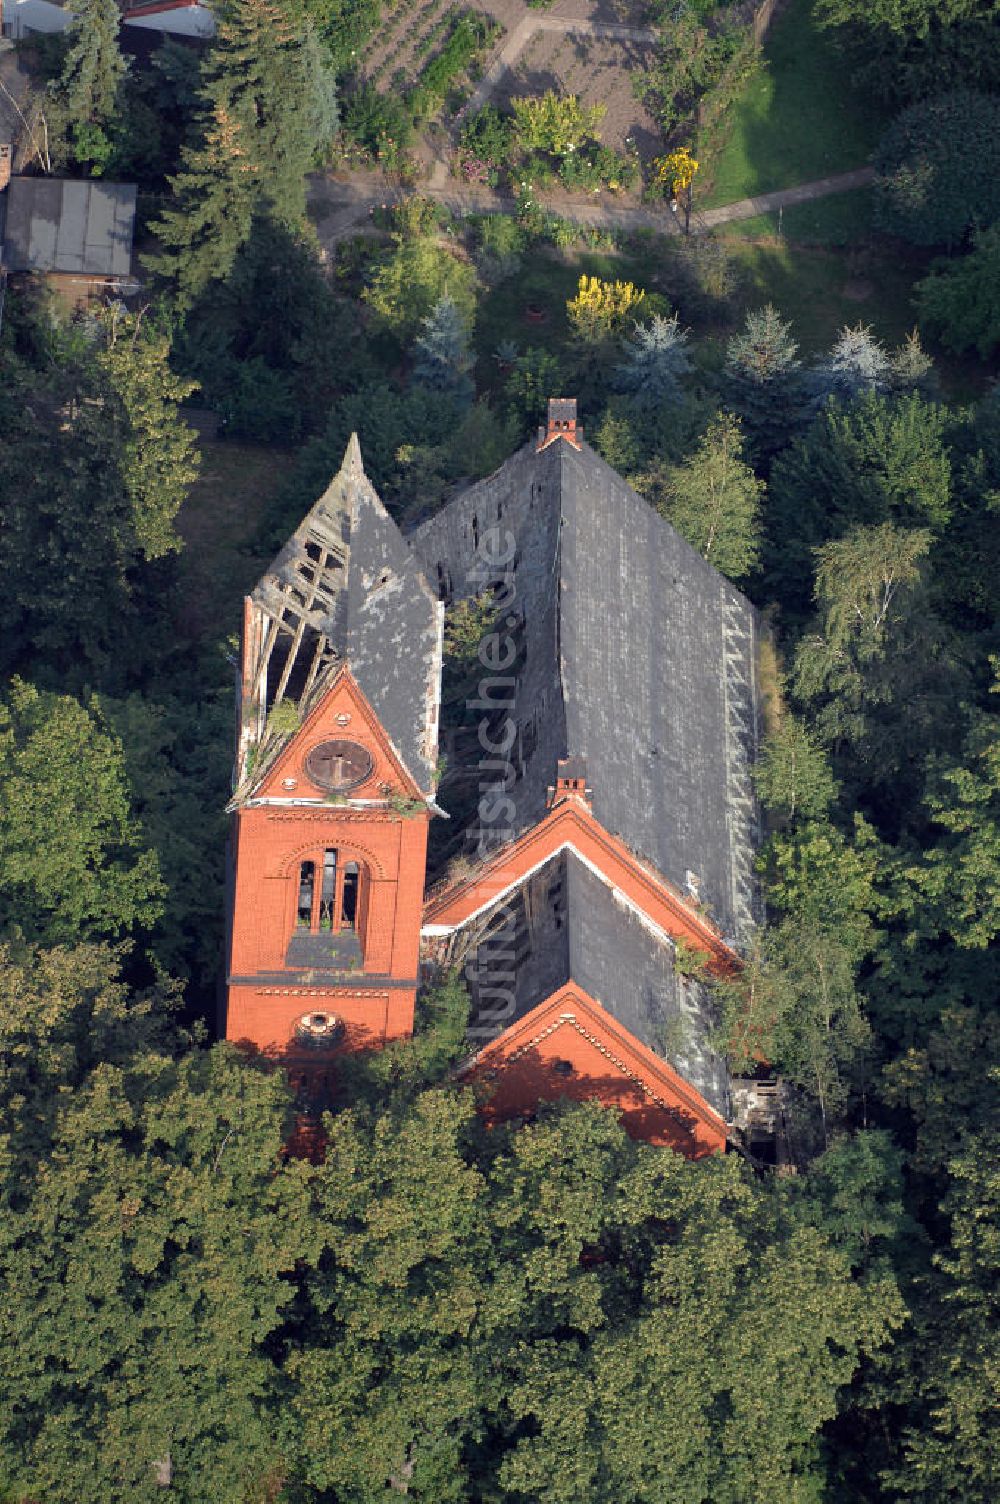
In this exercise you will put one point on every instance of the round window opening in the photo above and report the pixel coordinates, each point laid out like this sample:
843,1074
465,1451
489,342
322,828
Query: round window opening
338,765
319,1029
563,1068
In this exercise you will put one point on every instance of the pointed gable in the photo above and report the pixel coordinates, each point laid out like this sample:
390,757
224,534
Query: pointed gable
345,592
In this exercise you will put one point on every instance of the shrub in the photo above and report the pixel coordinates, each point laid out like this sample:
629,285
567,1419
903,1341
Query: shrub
938,169
372,119
488,136
597,167
601,309
555,123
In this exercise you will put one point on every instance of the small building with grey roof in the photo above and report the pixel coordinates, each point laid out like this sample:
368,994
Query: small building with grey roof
79,233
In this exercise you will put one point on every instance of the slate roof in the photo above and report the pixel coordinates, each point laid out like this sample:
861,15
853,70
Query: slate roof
638,658
83,228
565,924
346,589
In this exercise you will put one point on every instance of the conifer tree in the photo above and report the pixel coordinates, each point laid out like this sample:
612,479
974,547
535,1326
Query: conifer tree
762,381
92,72
442,358
656,361
857,363
159,458
267,105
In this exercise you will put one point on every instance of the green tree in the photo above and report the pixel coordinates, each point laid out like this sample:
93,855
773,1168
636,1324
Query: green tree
272,353
714,500
792,776
656,362
903,50
938,169
149,1251
212,203
393,1380
63,1012
72,858
267,107
93,70
959,300
861,585
762,381
883,459
950,1445
159,456
96,463
173,757
533,378
857,363
959,878
515,1317
413,277
442,358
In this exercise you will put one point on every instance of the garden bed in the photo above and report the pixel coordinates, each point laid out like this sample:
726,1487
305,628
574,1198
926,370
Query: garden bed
597,70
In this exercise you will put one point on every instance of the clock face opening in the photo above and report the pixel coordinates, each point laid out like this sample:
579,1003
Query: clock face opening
338,765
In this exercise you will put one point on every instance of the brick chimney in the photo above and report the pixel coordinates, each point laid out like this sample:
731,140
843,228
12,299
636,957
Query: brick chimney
6,154
562,424
571,778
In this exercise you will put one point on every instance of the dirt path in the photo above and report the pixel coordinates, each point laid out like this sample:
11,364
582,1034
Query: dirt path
341,206
764,203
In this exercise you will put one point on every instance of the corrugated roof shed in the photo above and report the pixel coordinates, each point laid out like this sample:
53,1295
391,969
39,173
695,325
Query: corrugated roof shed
76,228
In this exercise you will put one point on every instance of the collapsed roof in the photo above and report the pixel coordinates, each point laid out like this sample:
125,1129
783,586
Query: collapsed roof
345,590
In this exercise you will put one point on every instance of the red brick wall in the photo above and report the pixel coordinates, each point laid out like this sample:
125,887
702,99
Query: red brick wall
608,1066
271,840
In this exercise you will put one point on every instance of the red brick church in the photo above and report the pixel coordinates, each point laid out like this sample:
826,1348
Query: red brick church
601,825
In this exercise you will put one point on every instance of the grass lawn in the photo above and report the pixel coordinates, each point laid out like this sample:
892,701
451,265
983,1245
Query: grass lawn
219,522
841,219
799,117
820,289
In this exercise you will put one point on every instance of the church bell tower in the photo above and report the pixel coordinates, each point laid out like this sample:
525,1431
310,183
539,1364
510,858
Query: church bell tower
333,786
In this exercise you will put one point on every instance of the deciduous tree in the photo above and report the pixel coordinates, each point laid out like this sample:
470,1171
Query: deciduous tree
714,499
73,865
959,300
938,169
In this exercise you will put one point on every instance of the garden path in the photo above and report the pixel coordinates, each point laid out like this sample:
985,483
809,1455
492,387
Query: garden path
341,205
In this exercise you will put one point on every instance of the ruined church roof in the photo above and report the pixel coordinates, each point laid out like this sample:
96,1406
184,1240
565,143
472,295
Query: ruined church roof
346,590
637,657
